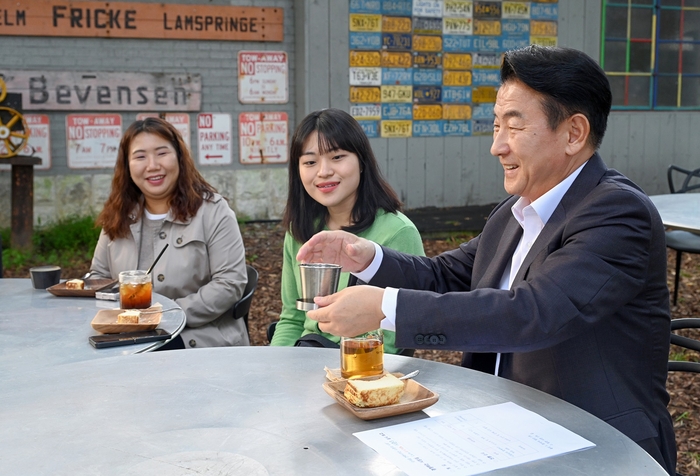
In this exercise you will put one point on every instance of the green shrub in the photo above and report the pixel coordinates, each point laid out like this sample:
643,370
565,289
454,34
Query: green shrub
68,234
62,243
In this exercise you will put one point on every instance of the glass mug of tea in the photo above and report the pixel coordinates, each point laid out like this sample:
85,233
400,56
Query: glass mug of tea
135,290
362,356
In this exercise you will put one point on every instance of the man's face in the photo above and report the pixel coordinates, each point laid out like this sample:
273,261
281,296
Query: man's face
533,156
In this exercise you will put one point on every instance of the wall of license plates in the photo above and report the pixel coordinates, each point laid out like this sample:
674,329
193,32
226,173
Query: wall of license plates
430,68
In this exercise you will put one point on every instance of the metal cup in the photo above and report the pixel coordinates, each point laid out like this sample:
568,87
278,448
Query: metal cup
317,279
45,276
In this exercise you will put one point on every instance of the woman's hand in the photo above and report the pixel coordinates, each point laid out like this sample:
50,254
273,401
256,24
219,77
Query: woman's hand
351,252
350,312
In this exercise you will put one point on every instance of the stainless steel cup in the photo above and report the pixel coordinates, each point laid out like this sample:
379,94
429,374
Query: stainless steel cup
317,279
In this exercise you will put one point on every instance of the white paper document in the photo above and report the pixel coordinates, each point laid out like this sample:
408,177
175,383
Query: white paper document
472,441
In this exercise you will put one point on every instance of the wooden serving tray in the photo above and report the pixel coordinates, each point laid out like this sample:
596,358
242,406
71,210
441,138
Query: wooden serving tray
91,287
415,397
105,321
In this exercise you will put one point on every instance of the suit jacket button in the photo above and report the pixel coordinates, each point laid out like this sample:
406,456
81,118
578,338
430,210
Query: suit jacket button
443,339
193,343
179,241
419,339
161,278
434,340
162,235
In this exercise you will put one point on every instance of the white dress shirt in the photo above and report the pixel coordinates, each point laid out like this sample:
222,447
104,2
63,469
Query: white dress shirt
532,217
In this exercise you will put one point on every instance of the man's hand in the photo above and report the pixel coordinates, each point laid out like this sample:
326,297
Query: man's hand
350,312
351,252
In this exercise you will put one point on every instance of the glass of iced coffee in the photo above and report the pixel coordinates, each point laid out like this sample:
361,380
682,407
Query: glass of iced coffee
135,290
362,356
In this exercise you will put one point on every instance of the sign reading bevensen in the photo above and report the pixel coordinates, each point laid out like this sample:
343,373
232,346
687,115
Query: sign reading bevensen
104,91
262,77
263,137
93,140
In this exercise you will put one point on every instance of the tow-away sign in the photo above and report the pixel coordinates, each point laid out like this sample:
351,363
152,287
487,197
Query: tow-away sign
214,138
263,137
262,77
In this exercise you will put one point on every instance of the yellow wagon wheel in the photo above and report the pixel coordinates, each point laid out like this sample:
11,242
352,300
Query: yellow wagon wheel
3,90
14,133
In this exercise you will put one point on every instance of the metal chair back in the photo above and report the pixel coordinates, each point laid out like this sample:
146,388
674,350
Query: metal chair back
690,179
678,240
685,343
242,307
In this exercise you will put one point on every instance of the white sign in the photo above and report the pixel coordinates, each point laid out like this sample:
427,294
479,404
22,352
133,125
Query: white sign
263,137
105,91
38,144
181,122
93,140
262,77
214,138
427,8
365,76
366,111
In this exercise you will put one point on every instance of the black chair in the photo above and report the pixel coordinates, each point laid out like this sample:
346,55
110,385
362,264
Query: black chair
242,307
686,343
271,330
679,240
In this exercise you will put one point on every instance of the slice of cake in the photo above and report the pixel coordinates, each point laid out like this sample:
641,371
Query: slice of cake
75,284
130,316
374,393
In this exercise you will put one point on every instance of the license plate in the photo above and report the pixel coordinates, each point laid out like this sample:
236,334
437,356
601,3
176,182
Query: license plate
365,94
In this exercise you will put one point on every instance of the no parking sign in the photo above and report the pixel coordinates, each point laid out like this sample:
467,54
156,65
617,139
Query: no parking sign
263,137
214,138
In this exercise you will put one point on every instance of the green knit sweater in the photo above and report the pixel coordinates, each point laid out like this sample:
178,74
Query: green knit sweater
394,231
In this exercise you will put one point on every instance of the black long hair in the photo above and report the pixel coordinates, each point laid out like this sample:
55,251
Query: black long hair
304,216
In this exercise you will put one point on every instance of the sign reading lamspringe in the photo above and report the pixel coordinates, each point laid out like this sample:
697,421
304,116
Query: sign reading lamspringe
140,20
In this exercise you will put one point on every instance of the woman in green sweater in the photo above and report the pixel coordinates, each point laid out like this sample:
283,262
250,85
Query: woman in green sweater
334,183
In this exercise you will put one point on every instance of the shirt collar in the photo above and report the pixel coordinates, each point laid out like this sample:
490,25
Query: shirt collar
545,205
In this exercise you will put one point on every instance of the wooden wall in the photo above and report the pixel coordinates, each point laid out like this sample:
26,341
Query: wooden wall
454,171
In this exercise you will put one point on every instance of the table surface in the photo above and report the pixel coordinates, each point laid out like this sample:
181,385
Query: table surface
250,411
679,210
39,329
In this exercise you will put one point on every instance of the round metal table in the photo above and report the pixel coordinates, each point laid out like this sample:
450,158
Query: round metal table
250,411
679,210
38,329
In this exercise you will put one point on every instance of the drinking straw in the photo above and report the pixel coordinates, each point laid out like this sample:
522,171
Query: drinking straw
159,255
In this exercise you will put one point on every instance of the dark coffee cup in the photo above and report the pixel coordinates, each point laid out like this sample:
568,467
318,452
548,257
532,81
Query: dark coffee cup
45,276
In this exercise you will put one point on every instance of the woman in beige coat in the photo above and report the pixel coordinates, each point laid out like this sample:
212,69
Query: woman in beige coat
158,197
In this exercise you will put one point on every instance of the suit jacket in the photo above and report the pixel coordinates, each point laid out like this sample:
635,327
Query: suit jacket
586,319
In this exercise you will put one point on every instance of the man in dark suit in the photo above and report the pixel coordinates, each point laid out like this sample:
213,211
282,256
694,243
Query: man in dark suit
565,288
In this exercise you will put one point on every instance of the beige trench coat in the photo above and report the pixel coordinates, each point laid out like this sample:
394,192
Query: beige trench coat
203,270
